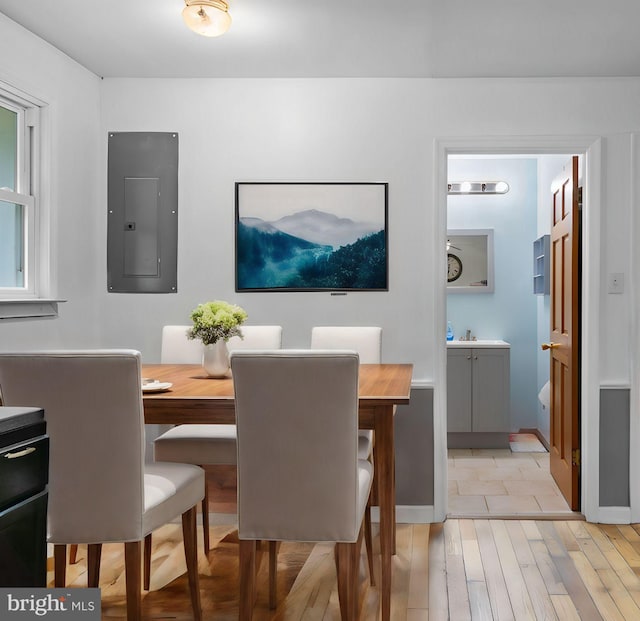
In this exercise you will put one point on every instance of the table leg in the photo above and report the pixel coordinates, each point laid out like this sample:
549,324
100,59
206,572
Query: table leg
383,457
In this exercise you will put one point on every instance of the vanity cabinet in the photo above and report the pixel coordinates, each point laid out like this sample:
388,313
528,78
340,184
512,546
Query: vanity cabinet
478,396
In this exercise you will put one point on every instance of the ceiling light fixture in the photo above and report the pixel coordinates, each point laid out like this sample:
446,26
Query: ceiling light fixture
478,187
209,18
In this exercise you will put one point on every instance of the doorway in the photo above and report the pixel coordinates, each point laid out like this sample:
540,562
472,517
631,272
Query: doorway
494,470
589,395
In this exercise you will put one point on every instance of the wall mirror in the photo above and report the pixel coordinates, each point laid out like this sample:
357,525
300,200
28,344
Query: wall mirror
470,261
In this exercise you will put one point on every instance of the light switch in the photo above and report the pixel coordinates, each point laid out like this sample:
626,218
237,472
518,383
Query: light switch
616,282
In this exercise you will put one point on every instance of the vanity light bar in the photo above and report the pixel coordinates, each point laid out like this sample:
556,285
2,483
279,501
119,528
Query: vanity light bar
478,187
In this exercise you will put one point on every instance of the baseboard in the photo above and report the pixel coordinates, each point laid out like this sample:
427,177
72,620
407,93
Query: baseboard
538,434
614,515
408,514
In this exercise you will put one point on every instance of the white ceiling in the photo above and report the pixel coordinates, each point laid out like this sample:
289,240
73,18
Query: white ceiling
346,38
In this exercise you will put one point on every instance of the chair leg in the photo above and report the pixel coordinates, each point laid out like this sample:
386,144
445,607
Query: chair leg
368,542
205,518
133,579
94,553
189,534
146,572
274,546
247,578
73,554
59,565
347,555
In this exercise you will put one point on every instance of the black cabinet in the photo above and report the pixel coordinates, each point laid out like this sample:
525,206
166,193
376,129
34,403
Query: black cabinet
24,468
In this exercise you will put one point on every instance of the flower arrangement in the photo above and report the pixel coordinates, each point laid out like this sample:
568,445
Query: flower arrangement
216,320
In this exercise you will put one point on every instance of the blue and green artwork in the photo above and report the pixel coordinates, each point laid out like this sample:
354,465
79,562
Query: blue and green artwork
298,236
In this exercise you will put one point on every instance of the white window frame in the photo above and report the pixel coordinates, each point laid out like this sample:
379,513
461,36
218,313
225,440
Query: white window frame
34,299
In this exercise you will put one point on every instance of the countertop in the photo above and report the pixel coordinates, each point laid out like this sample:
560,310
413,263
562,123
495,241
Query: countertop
483,343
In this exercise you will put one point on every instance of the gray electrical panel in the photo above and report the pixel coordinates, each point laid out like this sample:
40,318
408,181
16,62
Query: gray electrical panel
142,231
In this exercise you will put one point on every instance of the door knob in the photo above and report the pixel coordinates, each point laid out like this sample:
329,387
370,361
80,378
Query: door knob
546,346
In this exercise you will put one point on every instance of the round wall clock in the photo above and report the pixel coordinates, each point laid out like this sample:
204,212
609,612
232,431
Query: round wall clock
454,267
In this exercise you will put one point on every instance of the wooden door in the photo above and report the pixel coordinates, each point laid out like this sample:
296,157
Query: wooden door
565,335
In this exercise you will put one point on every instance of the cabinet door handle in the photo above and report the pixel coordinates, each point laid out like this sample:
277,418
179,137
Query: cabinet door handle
468,357
25,452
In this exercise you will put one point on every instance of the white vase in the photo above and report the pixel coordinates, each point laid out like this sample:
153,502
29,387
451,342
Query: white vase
215,359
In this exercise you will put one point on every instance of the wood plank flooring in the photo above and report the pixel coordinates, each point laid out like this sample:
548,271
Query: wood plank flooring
460,569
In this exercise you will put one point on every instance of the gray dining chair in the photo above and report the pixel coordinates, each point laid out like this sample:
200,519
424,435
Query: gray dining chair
299,475
100,489
367,341
206,445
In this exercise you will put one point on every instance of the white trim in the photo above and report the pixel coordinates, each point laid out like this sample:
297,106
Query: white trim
40,262
590,146
613,515
634,333
36,307
409,514
421,384
590,337
438,258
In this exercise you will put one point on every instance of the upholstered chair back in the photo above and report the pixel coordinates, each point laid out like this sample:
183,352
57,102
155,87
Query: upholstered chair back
177,348
257,337
92,402
366,340
297,423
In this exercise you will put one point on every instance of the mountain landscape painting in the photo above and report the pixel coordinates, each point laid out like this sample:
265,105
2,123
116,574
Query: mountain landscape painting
311,236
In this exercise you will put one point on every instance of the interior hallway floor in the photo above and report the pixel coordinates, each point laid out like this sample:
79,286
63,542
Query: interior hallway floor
504,483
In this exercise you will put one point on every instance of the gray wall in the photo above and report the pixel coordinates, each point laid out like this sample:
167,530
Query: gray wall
414,449
614,447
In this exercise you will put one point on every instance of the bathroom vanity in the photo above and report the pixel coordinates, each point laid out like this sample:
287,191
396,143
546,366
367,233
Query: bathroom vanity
478,394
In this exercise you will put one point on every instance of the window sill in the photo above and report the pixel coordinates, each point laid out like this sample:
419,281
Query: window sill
36,307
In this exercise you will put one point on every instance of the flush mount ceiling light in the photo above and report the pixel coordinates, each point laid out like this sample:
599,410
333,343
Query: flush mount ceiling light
209,18
478,187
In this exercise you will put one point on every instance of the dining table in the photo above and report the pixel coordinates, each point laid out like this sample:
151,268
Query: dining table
196,398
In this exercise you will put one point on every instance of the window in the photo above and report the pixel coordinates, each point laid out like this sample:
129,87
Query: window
23,278
16,199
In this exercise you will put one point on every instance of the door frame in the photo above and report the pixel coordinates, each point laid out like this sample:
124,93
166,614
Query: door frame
634,350
591,148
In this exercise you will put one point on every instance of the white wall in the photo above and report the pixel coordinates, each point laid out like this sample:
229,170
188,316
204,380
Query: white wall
285,130
71,124
328,129
339,130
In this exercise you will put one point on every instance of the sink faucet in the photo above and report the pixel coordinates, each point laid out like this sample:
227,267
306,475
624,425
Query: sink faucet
468,335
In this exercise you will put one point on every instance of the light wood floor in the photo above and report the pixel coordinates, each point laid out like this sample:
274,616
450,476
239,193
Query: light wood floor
460,569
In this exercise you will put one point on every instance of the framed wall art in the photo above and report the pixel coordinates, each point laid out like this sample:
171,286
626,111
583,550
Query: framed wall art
311,236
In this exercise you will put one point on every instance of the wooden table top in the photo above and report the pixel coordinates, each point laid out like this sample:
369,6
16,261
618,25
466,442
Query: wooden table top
196,398
378,383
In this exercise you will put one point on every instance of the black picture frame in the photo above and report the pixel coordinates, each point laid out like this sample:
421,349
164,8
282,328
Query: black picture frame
305,236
